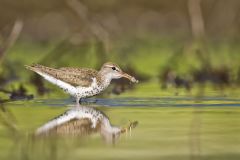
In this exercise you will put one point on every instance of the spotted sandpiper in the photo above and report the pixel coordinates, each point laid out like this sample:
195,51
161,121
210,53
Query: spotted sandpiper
81,82
83,121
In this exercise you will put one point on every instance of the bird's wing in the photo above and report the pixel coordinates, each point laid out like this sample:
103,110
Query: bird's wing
77,76
77,127
73,76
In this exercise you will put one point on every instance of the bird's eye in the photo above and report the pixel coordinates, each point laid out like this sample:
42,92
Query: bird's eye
114,68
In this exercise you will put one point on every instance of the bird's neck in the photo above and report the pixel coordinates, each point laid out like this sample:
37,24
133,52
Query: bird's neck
105,78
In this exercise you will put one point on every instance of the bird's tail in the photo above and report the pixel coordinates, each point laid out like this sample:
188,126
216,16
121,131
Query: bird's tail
34,67
39,68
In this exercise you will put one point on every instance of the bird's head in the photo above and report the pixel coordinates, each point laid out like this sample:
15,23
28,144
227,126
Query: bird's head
113,71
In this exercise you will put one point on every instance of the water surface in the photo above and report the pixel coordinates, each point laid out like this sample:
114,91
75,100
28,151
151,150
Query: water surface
169,128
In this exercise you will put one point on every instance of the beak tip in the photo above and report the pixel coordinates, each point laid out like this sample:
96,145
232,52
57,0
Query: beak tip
134,80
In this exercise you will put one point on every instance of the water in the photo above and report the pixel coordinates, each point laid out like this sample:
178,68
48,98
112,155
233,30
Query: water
168,128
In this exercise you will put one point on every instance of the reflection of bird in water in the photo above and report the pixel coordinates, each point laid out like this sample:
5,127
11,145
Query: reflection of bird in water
83,121
82,82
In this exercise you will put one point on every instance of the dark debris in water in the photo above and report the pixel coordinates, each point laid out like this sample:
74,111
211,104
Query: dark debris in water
20,94
17,94
169,77
218,77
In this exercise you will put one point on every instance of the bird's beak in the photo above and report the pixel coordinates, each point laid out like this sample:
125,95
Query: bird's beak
132,79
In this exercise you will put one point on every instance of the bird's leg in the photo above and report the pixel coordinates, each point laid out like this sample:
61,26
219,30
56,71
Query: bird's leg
78,100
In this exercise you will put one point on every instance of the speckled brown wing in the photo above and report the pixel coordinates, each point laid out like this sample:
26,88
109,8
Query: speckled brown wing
77,76
76,127
74,76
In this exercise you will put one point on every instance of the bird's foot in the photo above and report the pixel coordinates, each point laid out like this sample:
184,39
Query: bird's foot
86,101
80,100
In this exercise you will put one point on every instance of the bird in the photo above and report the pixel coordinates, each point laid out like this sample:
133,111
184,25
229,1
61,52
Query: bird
81,82
83,121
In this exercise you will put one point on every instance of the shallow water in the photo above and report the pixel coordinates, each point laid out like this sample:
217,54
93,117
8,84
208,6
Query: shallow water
168,128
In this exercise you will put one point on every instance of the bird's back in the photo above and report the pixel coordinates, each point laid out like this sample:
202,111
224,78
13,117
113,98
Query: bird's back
74,76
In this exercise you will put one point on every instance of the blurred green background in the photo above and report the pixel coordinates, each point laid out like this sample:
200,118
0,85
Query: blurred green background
181,42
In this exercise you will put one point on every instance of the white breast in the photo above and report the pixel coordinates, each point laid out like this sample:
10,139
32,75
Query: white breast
93,89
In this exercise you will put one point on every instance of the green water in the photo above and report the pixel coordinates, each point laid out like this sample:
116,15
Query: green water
169,128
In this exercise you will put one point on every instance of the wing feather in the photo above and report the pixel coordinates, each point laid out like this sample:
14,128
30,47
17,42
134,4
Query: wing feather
74,76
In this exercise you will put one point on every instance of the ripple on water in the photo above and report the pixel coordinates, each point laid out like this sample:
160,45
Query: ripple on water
146,102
